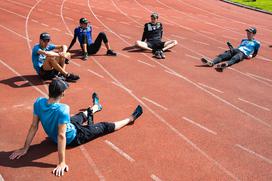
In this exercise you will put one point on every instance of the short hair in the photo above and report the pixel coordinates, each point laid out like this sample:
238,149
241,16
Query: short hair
57,87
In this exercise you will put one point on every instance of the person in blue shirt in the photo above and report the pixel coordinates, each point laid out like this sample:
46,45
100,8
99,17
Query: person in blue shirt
84,35
246,50
49,59
65,130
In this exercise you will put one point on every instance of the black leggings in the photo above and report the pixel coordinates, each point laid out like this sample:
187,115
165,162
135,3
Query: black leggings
94,47
89,132
231,57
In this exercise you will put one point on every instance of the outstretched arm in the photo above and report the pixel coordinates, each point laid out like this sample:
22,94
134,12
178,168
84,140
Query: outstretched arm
72,42
31,133
61,167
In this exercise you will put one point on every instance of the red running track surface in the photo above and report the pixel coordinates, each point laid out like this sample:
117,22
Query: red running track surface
198,124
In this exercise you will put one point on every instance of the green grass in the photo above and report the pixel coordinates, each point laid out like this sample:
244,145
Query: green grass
260,4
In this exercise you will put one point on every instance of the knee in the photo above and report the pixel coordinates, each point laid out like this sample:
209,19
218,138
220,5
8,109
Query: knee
103,34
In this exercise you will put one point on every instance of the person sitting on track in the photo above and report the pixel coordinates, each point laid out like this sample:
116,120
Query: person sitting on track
84,35
63,130
50,60
247,49
153,35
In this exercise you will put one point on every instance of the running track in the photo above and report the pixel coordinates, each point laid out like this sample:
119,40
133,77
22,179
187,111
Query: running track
198,124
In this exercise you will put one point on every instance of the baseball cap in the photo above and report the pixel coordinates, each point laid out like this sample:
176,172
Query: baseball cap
56,87
83,20
252,30
154,15
45,36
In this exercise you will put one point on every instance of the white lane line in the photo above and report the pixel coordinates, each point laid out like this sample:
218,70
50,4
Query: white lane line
169,72
18,105
76,64
49,12
256,105
121,86
95,73
263,58
46,25
125,36
206,32
209,87
138,26
123,22
39,9
118,150
35,21
155,178
252,77
56,29
177,36
199,125
22,4
228,37
92,163
66,7
1,178
13,32
193,57
13,13
69,34
150,65
260,77
57,15
200,42
134,16
124,55
254,153
68,18
155,103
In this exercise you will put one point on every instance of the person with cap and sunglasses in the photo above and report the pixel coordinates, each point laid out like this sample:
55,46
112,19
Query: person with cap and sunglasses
247,49
65,130
152,38
84,35
50,60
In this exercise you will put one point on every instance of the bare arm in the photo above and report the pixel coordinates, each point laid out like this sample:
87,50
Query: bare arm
72,42
61,167
31,133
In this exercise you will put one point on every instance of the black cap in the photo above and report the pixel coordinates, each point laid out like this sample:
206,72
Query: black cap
83,20
252,30
57,87
45,36
154,15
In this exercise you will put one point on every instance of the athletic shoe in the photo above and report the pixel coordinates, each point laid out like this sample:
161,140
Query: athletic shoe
137,113
158,54
111,53
96,101
72,77
207,62
85,56
222,65
162,54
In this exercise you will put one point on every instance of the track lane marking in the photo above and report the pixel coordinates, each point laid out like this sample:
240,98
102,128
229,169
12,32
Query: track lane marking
118,150
199,125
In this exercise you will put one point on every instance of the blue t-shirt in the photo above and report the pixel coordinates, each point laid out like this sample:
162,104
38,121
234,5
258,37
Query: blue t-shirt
79,32
51,115
248,47
38,59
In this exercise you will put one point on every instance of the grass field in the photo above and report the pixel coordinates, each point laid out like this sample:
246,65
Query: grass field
260,4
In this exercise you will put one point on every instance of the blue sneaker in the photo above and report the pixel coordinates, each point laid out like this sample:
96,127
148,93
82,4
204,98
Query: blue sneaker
96,101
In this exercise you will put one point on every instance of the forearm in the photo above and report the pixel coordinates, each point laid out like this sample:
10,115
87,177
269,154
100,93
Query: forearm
31,133
61,148
72,44
64,48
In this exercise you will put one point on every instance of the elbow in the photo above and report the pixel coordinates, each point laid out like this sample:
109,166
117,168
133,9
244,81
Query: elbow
61,136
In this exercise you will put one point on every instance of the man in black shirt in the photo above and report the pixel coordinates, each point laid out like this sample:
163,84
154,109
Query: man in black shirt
153,34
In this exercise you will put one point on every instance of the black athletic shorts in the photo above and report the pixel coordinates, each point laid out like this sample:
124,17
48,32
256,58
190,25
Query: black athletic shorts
48,74
156,45
87,133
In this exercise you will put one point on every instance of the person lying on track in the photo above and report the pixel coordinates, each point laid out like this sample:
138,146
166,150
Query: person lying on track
247,49
50,60
152,38
84,35
65,130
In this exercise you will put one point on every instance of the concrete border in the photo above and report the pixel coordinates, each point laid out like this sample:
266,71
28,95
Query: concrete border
247,7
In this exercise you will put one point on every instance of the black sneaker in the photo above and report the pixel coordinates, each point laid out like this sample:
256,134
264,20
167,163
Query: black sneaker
137,113
96,101
207,62
157,54
85,56
111,53
72,77
162,54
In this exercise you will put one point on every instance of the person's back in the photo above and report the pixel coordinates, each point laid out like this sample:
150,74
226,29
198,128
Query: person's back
51,115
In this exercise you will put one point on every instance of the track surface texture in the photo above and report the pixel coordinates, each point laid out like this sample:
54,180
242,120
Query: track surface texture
198,124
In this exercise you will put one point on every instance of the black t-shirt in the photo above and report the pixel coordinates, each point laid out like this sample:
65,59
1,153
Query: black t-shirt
152,32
